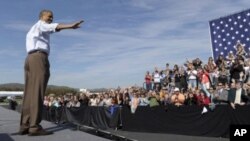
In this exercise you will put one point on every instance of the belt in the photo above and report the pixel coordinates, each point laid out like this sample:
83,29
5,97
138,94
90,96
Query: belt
38,51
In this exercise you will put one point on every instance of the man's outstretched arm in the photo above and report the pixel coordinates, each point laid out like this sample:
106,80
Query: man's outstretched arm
69,26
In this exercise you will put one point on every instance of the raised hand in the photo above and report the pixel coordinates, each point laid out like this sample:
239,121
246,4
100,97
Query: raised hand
77,24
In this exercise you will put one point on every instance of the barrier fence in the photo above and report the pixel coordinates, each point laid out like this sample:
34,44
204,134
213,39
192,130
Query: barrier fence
186,120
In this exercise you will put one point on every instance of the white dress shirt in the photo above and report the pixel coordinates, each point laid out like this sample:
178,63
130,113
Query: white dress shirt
38,37
192,74
157,78
238,96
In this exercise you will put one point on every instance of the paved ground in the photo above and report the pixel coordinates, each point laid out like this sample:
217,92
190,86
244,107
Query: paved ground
164,137
9,121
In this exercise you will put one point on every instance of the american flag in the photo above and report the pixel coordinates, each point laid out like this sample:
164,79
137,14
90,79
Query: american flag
227,31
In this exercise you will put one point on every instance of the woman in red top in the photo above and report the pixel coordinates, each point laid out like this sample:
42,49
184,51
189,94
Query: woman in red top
204,80
148,79
202,99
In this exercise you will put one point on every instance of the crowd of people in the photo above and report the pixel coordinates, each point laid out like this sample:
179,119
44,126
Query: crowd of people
225,80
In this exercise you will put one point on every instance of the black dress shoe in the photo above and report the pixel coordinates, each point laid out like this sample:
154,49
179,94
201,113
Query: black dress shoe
24,132
41,132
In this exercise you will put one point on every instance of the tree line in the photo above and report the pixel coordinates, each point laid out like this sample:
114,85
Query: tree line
50,90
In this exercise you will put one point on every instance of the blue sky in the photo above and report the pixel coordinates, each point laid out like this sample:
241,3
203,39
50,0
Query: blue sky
119,41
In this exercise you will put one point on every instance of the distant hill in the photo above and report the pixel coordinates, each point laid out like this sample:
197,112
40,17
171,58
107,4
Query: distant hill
12,86
20,87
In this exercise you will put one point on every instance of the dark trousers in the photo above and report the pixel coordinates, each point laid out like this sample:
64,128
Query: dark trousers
36,78
148,86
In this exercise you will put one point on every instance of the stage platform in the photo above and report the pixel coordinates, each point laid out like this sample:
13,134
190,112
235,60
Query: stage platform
9,123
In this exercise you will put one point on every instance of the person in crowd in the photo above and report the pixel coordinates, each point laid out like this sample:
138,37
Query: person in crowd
236,94
74,102
246,88
152,80
167,98
191,99
57,105
216,75
66,98
166,71
176,68
230,59
126,99
62,100
62,117
153,102
166,80
202,99
157,80
220,62
183,79
148,79
12,103
114,105
51,101
240,50
247,71
224,76
197,63
192,77
177,77
107,100
46,101
134,102
94,100
143,100
114,101
100,99
237,71
46,107
162,94
210,68
171,84
56,102
221,94
51,108
204,79
83,99
120,99
212,92
162,79
177,98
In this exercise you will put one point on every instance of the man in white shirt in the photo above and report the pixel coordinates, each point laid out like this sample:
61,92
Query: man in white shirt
192,78
157,80
37,72
236,95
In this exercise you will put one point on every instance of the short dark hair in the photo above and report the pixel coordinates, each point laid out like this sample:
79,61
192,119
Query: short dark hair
44,11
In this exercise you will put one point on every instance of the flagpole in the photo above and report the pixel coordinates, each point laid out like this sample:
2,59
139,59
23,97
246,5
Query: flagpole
211,45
